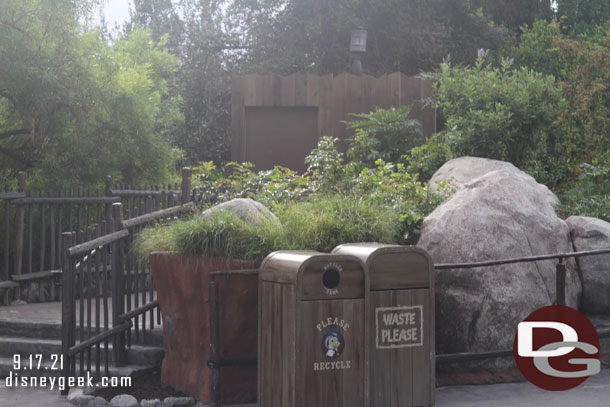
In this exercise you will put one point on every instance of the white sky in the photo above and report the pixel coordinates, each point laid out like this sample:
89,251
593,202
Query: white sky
116,11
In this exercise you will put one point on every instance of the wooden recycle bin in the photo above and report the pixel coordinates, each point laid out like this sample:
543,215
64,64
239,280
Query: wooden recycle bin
312,348
401,328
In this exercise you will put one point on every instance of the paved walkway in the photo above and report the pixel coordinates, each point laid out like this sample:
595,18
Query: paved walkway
50,312
595,392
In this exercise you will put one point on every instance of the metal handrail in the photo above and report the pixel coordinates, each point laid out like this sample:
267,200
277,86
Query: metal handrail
526,259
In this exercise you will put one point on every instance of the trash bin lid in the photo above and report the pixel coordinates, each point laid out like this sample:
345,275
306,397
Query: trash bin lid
392,267
317,275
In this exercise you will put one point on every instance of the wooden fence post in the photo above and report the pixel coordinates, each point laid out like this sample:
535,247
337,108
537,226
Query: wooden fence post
108,193
67,308
118,286
20,224
186,184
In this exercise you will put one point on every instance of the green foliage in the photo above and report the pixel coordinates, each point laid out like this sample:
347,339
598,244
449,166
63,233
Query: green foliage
424,160
589,194
383,184
70,100
584,125
218,39
385,134
326,166
403,35
220,235
320,224
393,186
515,13
583,16
537,50
237,180
498,113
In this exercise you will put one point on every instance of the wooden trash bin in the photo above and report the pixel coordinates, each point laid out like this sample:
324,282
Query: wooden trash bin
402,349
312,343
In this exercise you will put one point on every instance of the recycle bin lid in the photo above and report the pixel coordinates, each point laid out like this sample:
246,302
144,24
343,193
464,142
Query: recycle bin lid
392,267
288,266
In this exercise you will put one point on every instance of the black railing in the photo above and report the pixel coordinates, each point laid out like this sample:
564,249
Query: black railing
560,273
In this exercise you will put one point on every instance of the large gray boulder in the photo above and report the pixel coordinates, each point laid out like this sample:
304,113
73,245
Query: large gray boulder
591,234
460,171
499,215
248,209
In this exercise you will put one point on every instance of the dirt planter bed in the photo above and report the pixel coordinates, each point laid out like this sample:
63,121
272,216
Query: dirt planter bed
182,284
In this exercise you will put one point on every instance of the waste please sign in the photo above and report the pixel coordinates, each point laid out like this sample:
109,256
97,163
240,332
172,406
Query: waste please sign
399,327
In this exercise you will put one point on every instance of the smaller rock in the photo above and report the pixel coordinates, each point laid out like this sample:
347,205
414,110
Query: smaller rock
79,399
592,234
248,209
98,402
151,403
74,392
124,400
82,400
19,302
178,401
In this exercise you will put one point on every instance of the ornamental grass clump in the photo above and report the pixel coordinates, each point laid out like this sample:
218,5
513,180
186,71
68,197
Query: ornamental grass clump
319,224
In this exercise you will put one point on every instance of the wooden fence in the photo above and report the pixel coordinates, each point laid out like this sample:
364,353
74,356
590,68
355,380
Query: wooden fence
108,295
278,120
33,223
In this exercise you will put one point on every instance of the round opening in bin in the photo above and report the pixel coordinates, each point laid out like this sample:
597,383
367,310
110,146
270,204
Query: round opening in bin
331,278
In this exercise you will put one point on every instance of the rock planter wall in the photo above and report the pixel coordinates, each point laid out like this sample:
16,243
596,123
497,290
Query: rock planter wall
182,284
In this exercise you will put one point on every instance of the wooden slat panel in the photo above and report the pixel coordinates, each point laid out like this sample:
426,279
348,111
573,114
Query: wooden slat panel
428,113
391,370
300,90
335,98
287,91
325,386
423,373
325,110
249,89
339,110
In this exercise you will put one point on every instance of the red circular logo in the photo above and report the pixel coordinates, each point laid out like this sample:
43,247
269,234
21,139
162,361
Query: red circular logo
556,348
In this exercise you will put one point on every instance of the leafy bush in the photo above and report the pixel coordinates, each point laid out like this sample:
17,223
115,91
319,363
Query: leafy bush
320,224
498,113
589,195
584,124
392,185
326,166
237,180
424,160
385,134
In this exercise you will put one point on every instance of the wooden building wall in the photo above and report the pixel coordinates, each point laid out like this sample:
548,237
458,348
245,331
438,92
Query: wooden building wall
272,115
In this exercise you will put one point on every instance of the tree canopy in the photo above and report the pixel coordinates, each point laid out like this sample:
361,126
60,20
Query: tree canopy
69,100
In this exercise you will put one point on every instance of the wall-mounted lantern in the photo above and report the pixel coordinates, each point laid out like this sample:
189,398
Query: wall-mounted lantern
357,48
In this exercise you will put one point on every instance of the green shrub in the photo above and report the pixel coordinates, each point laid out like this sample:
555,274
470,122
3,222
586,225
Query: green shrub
498,113
326,166
237,180
589,194
391,185
385,134
424,160
584,124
